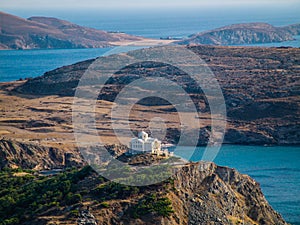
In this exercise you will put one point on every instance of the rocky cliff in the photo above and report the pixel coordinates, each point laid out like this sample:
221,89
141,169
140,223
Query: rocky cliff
24,155
210,194
204,193
44,32
198,193
241,34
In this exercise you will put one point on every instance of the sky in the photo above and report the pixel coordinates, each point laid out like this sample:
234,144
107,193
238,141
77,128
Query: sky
78,4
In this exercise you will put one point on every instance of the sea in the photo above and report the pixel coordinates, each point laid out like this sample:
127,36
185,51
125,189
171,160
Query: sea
277,169
152,23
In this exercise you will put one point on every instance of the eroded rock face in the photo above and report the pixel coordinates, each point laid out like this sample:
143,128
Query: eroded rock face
248,33
15,154
202,193
210,194
198,193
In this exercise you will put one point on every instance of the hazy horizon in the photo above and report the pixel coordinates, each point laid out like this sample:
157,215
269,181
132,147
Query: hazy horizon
139,4
73,10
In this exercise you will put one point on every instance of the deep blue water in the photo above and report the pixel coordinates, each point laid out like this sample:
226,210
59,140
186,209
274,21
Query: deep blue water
16,64
156,23
277,169
150,23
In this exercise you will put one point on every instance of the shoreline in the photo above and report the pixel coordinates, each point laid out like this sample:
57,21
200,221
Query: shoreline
147,42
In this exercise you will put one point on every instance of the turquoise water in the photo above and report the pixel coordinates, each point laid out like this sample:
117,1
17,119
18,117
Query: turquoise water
277,169
156,23
153,24
16,64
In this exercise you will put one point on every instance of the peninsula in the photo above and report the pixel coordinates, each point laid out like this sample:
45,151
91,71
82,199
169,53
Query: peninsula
53,33
246,33
36,134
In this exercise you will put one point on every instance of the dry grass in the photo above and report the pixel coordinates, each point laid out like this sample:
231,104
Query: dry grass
47,120
20,174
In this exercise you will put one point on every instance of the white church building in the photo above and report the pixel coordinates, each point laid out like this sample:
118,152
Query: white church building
145,144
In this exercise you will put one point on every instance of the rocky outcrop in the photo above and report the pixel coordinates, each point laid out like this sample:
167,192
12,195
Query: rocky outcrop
197,193
44,32
204,193
86,218
209,194
293,29
23,155
248,33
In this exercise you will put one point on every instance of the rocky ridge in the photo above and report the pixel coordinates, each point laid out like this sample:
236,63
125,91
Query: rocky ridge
14,154
222,196
241,34
45,32
197,193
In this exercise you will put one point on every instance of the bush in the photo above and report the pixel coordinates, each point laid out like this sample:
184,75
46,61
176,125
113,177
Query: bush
104,204
11,221
73,198
74,213
161,206
112,190
21,198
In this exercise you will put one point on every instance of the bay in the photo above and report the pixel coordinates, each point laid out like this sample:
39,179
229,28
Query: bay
153,24
277,169
16,64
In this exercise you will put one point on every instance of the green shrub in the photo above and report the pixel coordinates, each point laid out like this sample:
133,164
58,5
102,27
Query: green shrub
112,190
21,198
11,221
104,204
73,198
74,213
151,203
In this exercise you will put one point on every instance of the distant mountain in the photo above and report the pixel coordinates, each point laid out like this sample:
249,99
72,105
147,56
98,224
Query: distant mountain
45,32
247,33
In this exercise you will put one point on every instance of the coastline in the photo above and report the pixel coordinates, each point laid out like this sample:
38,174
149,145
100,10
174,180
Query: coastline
252,177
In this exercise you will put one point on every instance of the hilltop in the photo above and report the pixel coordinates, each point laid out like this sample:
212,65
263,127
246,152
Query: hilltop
246,33
48,32
260,87
197,193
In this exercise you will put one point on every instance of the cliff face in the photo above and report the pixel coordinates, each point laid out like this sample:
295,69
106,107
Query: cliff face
210,194
198,193
44,32
249,33
293,29
204,193
15,154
